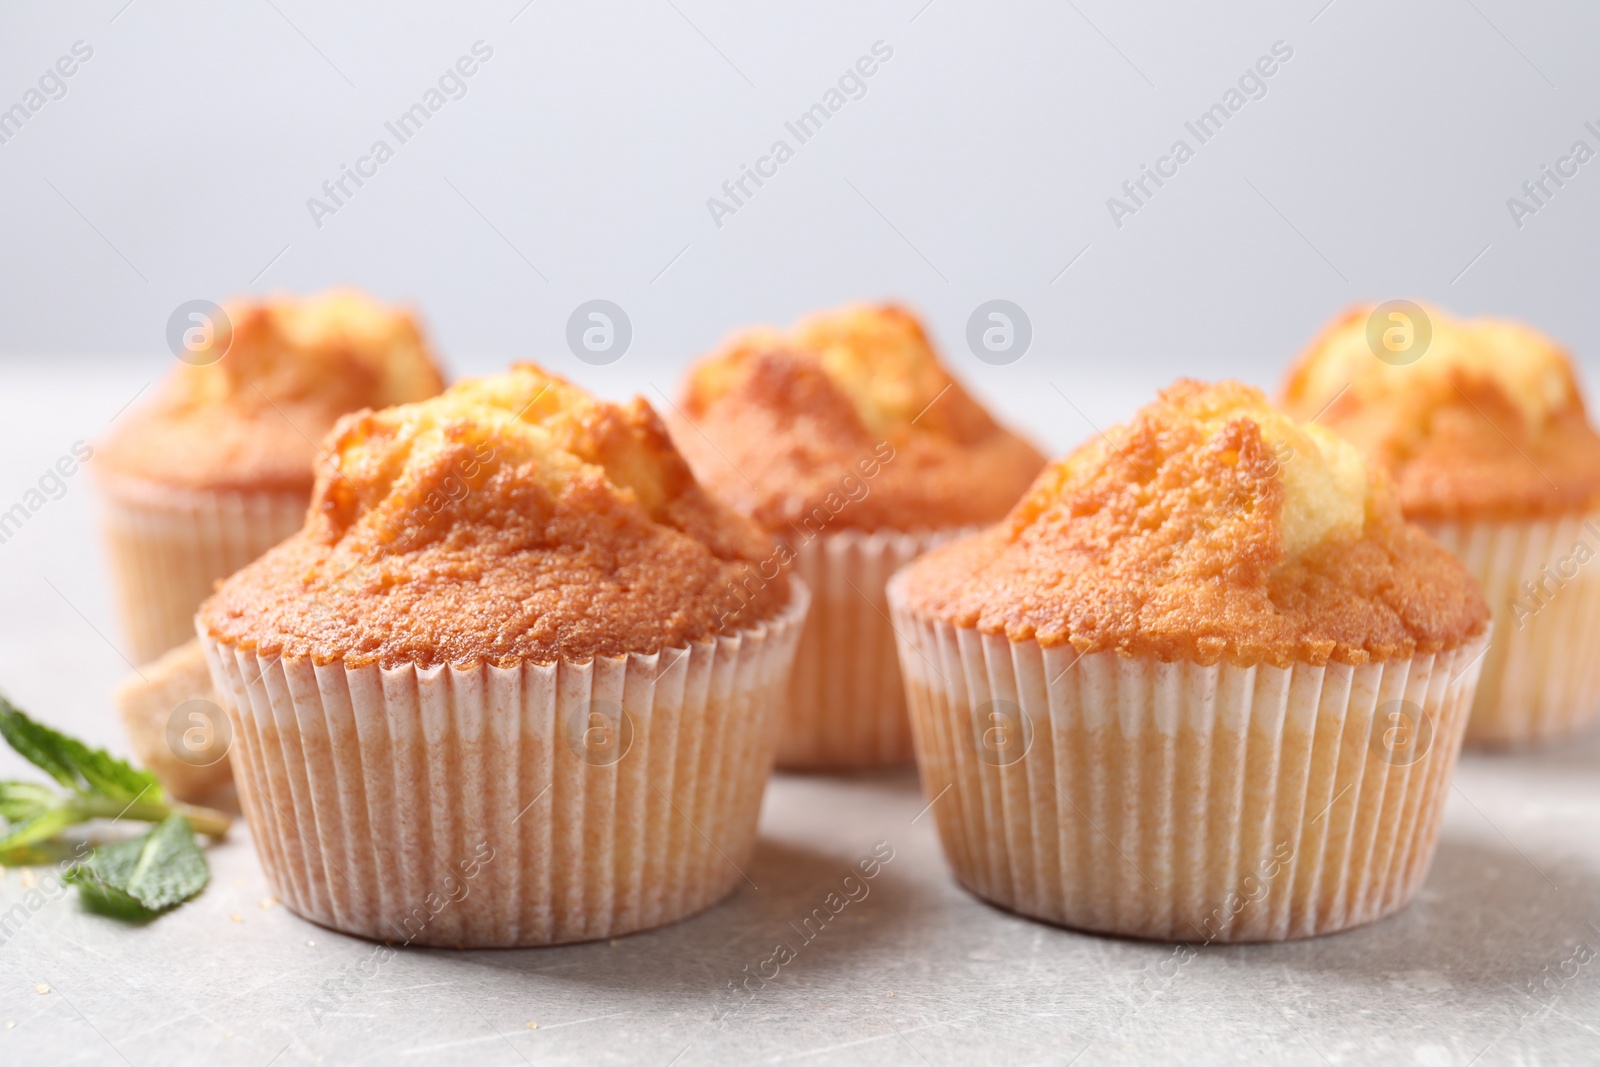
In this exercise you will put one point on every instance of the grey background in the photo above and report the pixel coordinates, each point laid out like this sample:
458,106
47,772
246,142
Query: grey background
977,167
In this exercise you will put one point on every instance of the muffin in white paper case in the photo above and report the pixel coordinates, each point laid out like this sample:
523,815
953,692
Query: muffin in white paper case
1203,684
1484,429
501,806
492,694
1541,675
169,547
215,467
847,439
1182,801
847,705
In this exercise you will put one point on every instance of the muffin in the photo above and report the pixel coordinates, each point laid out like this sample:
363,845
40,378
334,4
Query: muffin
848,441
491,694
1484,430
178,731
216,468
1203,683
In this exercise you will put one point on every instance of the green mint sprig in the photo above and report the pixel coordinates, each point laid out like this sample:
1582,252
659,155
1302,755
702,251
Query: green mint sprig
134,879
144,876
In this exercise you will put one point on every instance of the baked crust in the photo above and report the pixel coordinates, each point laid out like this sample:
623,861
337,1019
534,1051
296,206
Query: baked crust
848,420
251,420
1488,423
510,518
1209,527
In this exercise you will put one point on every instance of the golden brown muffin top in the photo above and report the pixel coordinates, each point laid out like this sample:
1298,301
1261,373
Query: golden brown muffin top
1209,527
1487,423
291,367
847,420
510,518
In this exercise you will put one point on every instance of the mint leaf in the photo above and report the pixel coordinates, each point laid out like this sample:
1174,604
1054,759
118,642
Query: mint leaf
74,764
24,800
142,877
135,879
29,814
102,879
39,826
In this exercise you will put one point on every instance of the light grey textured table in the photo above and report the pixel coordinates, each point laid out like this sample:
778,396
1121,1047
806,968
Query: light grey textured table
916,973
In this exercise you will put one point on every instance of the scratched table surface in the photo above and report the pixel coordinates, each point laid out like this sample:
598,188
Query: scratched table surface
1491,964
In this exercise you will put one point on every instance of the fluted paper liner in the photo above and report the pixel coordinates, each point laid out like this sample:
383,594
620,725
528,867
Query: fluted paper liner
1541,675
847,705
469,806
1181,801
169,546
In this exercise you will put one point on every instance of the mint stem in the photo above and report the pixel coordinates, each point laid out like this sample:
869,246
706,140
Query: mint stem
207,821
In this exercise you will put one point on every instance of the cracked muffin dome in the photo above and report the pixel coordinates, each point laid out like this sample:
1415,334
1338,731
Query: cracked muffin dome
854,406
291,366
1487,423
510,518
1209,527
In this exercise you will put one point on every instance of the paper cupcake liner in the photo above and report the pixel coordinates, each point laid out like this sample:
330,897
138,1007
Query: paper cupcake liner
1541,675
169,546
847,705
495,807
1179,801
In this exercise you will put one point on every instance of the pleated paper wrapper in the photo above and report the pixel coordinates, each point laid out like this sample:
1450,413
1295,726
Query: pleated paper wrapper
169,546
1179,801
505,806
1541,675
847,706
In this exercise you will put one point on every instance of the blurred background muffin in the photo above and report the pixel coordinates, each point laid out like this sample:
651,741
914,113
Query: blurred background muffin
217,467
1203,682
847,439
1484,428
177,729
508,675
